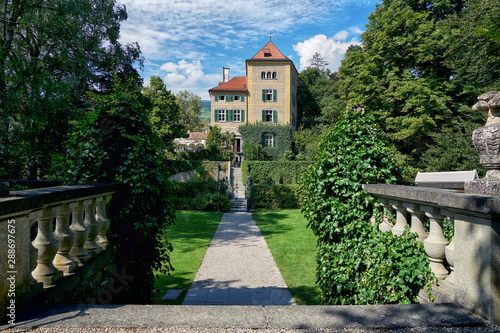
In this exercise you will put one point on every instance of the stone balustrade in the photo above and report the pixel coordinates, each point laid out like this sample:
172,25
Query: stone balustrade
468,267
47,235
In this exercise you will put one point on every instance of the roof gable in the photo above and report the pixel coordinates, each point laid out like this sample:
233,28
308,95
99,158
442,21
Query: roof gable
269,52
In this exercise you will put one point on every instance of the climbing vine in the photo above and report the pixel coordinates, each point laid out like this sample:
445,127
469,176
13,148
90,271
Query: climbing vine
357,264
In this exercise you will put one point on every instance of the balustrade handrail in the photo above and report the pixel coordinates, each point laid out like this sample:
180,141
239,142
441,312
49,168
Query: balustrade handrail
467,267
61,246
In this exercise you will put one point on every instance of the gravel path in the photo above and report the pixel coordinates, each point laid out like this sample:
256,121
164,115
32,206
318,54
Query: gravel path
238,268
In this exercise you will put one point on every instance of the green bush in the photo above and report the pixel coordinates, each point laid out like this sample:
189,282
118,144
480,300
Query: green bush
357,264
275,196
200,195
271,172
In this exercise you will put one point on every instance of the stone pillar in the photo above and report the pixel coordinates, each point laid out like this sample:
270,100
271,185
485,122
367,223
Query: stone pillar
93,226
417,220
401,218
66,237
385,225
435,243
104,222
78,252
47,246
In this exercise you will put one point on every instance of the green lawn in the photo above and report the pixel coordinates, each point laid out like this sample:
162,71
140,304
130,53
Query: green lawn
293,247
190,236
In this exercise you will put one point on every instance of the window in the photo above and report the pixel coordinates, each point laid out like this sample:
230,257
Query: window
222,97
237,115
269,75
263,75
275,75
269,116
293,99
269,140
269,95
236,98
222,115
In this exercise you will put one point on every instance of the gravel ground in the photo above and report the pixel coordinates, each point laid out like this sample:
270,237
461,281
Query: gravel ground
482,329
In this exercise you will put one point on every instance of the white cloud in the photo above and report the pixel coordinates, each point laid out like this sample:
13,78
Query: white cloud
331,49
163,28
184,75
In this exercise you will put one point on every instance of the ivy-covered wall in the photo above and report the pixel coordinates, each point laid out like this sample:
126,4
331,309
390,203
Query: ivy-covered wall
282,137
271,172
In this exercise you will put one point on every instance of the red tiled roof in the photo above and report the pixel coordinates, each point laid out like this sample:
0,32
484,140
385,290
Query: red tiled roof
269,52
238,83
197,135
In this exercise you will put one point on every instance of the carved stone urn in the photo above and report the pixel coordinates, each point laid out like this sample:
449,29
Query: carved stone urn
486,139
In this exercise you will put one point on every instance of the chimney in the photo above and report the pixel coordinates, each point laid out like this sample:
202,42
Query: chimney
225,74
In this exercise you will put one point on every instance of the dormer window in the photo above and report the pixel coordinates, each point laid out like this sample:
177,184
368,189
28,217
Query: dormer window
267,52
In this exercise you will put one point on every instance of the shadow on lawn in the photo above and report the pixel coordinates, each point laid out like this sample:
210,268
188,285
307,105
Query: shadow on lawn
275,218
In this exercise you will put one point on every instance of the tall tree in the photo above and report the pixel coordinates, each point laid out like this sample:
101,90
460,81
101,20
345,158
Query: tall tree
51,54
190,105
406,74
317,61
165,115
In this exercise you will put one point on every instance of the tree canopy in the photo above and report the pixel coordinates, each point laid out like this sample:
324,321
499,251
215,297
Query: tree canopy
420,69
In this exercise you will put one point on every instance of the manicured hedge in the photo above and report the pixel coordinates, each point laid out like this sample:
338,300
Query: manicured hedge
275,196
271,172
200,195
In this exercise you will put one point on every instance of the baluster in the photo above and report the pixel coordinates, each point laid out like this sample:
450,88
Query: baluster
35,285
435,243
66,237
93,226
417,220
78,252
401,218
385,225
377,212
104,222
47,245
450,250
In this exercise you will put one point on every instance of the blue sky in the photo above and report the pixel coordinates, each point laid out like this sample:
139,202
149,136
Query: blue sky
187,42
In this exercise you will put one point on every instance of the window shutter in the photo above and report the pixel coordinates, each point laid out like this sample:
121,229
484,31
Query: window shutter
274,140
263,140
275,95
242,115
216,115
275,116
263,95
263,116
242,98
216,98
231,115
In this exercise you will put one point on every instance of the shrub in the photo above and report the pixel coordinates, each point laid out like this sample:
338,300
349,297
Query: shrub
200,195
357,264
270,172
275,196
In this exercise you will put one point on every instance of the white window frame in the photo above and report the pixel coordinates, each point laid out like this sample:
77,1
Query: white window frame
269,116
269,75
269,95
222,115
263,75
269,140
222,97
275,75
237,98
237,115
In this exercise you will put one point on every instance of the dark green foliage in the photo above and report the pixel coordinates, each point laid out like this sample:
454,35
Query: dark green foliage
254,134
270,172
115,143
422,65
275,196
306,141
357,264
318,97
201,195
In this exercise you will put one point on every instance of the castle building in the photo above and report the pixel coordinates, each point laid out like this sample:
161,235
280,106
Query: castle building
267,94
